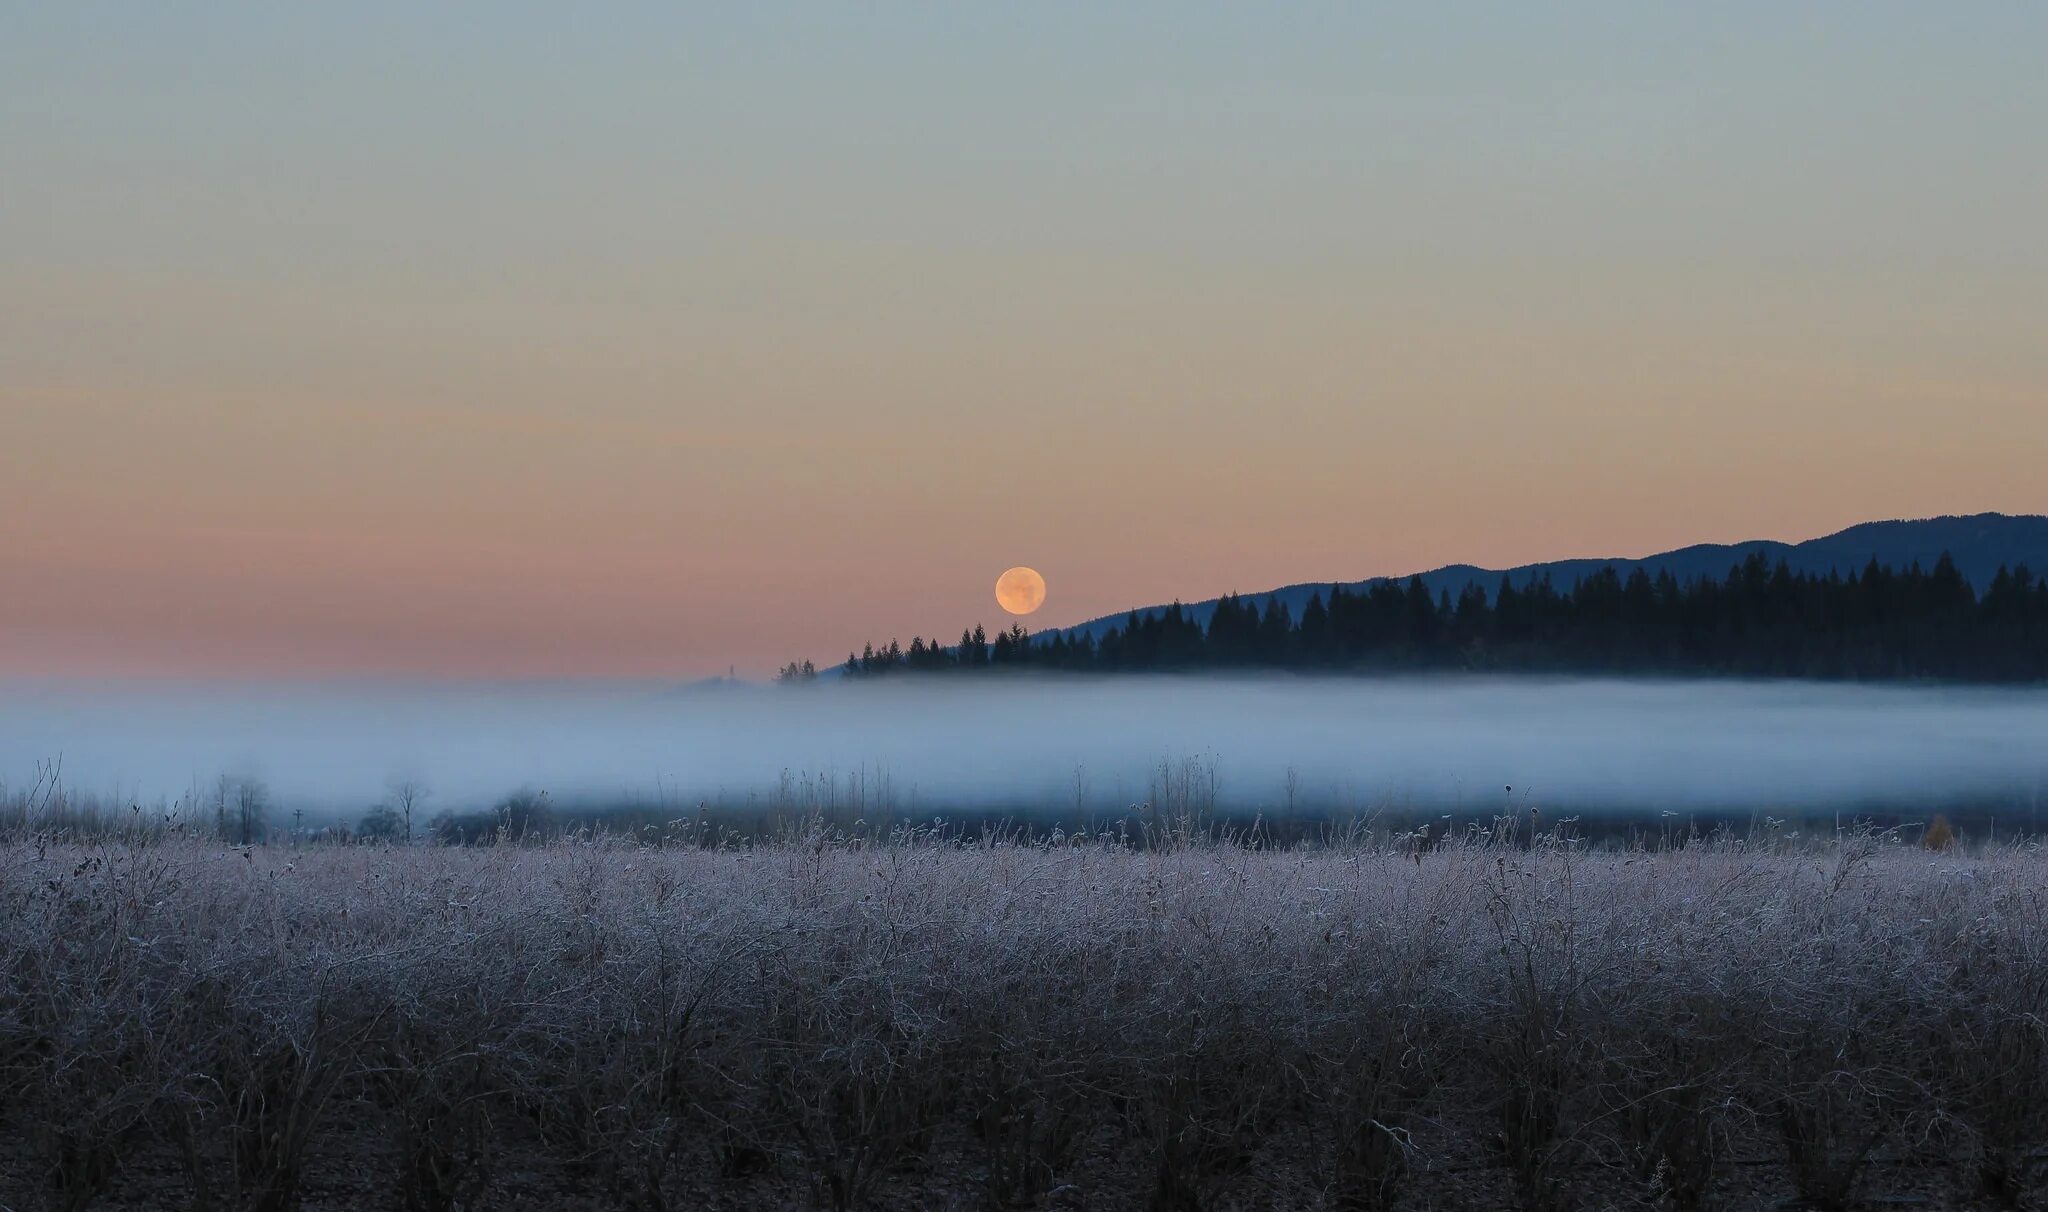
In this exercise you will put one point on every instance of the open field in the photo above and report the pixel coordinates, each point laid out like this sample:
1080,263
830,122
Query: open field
914,1021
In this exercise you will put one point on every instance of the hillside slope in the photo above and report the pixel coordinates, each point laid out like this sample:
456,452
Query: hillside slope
1979,544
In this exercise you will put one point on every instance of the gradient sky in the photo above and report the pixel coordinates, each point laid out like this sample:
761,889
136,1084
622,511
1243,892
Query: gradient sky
507,340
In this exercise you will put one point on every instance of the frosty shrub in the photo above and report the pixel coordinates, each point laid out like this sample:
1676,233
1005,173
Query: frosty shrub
916,1019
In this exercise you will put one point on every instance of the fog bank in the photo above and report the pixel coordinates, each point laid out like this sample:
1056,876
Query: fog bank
1453,742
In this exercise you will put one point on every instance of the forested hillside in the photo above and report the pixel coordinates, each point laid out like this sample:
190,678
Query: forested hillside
1760,619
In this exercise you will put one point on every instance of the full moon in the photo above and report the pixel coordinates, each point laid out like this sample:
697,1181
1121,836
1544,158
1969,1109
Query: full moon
1020,590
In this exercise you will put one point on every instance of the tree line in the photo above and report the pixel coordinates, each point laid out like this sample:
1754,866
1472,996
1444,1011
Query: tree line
1761,620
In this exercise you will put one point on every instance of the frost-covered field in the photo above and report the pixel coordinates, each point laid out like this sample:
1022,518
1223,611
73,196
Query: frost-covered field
918,1022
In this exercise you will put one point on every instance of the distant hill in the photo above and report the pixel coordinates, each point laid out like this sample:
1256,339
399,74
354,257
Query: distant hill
1979,543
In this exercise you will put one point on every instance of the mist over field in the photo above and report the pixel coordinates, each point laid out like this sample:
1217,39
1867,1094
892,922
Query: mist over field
1024,743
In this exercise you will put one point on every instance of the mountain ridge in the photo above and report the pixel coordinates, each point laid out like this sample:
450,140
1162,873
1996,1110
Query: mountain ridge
1979,544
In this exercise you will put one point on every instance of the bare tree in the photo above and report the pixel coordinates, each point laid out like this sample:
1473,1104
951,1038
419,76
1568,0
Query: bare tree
406,795
252,809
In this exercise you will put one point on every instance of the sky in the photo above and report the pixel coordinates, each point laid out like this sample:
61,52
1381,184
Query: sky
647,340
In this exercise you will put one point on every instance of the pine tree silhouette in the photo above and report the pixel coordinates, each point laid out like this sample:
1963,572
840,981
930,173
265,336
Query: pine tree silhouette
1761,619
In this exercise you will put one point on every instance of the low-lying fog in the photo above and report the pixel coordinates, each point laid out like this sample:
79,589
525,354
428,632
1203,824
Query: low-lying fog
941,744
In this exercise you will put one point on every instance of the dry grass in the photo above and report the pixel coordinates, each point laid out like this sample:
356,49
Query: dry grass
918,1021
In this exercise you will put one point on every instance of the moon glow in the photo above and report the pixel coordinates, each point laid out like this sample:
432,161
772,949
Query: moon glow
1020,590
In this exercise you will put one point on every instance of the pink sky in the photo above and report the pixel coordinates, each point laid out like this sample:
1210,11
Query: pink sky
384,346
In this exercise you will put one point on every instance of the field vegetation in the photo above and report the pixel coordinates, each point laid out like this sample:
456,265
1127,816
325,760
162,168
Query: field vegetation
1175,1018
